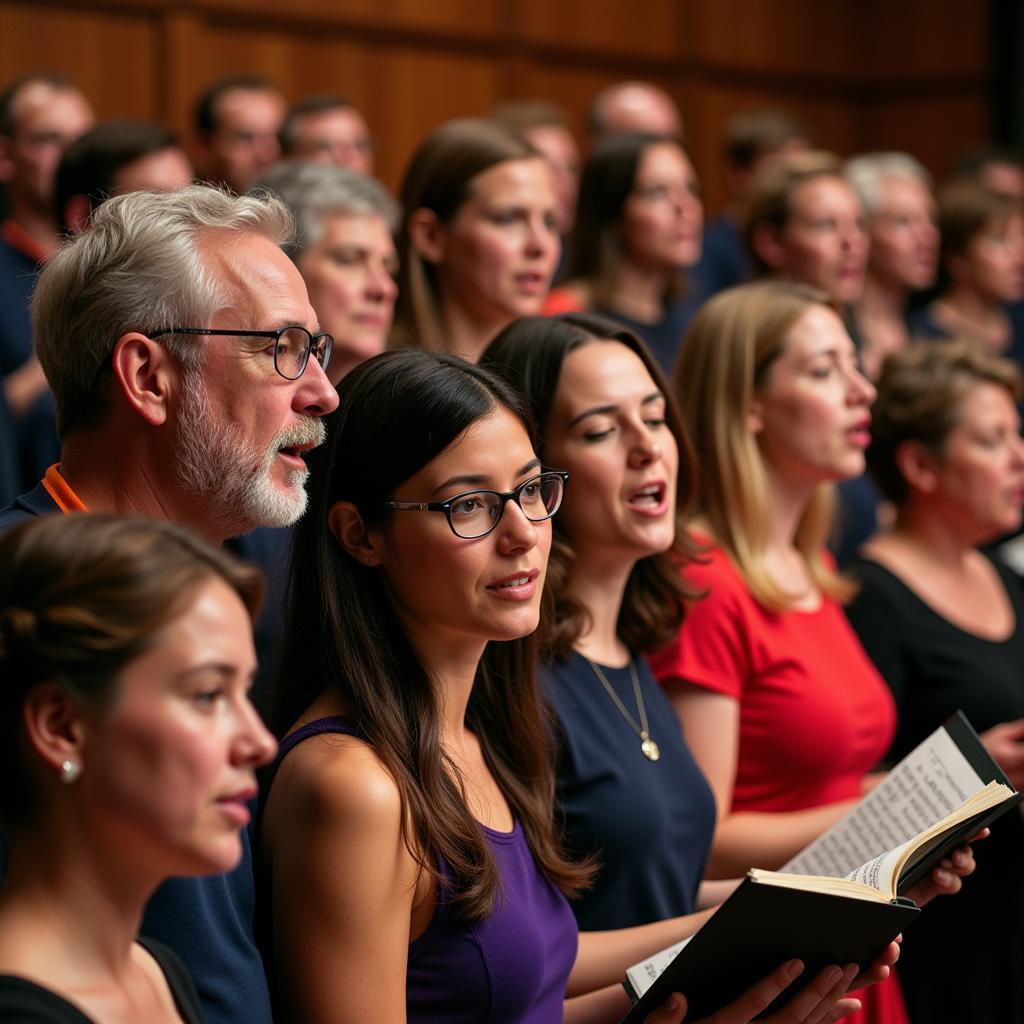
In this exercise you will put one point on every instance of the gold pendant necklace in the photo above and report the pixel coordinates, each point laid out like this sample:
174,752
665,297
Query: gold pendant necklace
647,746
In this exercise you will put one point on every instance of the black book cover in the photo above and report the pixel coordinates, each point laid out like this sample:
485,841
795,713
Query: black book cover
760,927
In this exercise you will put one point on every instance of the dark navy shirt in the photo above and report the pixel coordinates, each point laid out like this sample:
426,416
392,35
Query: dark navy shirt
18,272
10,481
922,324
665,337
649,822
724,261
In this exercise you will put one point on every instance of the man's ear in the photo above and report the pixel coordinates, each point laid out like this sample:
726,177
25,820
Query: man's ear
364,545
766,242
145,374
917,466
427,235
54,725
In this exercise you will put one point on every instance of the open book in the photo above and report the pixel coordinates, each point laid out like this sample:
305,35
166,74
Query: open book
840,900
936,798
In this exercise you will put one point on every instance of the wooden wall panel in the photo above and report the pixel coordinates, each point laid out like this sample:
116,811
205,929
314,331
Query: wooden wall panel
605,26
941,129
417,91
458,17
778,37
832,123
113,56
864,74
912,38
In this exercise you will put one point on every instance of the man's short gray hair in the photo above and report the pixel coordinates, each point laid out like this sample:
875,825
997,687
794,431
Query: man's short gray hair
314,192
867,173
136,267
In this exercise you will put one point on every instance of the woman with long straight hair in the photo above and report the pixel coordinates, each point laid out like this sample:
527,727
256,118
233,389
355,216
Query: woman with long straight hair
478,242
628,789
410,860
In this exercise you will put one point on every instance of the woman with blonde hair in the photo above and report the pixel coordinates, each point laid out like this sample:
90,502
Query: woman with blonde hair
782,708
478,242
944,623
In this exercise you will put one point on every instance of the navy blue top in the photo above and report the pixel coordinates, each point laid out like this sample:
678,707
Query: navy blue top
18,274
511,968
723,261
207,921
10,479
665,337
921,323
268,548
650,822
38,444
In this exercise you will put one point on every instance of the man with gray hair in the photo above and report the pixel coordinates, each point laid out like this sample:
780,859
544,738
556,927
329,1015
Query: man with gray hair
896,193
187,367
344,249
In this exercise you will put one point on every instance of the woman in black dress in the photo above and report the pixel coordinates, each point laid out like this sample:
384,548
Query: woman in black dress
945,626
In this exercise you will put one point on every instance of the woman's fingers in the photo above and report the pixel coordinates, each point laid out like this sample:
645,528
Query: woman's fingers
672,1011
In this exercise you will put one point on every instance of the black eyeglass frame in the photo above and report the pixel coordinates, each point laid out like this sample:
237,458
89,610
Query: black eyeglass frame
504,497
324,341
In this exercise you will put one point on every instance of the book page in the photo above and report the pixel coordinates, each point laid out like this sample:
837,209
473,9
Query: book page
642,976
879,872
929,783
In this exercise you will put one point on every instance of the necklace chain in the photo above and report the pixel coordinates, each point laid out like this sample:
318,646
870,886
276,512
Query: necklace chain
647,745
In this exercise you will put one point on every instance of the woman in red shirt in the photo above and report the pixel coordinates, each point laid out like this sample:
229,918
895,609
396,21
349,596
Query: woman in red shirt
781,706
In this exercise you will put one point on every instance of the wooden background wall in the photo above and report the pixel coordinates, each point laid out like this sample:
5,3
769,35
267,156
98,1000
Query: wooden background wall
864,74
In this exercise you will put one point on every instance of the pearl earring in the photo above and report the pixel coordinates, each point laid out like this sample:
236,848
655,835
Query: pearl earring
69,772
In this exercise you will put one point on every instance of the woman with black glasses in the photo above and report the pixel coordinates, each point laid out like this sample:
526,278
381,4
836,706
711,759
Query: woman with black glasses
409,858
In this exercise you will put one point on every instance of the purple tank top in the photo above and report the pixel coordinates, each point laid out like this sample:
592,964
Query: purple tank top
511,968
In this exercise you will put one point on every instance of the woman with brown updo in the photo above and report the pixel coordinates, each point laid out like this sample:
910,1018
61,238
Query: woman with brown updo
128,749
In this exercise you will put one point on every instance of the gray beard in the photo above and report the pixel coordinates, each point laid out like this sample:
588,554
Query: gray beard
228,473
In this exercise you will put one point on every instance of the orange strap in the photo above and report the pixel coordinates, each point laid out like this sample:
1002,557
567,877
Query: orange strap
18,238
60,490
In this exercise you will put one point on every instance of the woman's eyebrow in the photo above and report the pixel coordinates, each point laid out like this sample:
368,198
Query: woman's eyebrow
598,410
477,480
606,410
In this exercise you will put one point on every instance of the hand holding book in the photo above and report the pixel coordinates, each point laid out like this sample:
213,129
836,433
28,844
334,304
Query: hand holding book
823,1000
845,896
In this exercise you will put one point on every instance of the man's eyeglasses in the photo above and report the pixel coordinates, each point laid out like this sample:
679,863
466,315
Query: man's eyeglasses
291,349
474,514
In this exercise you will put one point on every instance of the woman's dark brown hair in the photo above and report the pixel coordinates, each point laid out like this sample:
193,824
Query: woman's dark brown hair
606,183
81,597
398,411
530,353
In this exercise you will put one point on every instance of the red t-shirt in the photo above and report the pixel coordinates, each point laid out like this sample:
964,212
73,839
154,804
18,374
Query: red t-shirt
815,715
